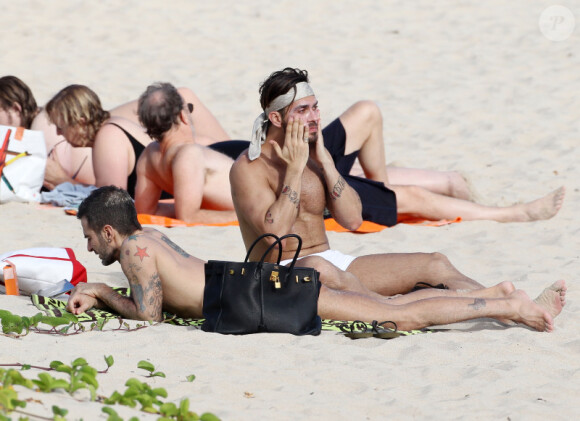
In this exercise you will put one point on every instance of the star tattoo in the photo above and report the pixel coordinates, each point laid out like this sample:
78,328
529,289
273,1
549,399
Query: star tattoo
141,252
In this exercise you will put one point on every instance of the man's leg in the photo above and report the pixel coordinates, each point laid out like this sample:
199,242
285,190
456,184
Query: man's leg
517,307
363,124
397,273
421,202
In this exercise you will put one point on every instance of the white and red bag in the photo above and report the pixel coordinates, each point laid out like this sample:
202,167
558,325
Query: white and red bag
41,268
22,164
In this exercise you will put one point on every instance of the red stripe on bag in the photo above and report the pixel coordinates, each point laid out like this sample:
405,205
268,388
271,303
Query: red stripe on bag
79,271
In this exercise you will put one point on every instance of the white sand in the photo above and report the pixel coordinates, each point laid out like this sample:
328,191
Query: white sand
468,86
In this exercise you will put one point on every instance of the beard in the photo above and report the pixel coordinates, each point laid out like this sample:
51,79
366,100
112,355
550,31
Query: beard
107,258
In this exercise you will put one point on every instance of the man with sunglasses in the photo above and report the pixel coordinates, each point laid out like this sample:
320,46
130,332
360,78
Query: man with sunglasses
180,164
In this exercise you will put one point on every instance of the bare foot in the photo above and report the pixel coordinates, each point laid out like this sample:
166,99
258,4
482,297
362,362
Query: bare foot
530,313
553,298
545,207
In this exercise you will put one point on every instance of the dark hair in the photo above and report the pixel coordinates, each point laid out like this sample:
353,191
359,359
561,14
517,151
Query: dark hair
78,105
159,108
110,205
13,90
280,82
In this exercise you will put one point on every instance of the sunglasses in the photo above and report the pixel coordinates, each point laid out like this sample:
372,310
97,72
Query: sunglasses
190,107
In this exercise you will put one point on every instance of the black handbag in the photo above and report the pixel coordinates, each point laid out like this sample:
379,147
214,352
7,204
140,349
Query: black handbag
252,297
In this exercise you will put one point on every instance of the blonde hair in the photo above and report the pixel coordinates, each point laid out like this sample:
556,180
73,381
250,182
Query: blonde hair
78,105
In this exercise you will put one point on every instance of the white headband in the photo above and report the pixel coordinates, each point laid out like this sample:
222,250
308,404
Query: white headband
260,128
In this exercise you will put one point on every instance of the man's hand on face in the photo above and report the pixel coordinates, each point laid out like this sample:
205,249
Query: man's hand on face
295,150
319,153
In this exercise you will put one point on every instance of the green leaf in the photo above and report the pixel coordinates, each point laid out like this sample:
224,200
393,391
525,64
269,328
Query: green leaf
101,324
70,317
208,416
168,409
190,378
150,410
59,411
25,367
89,379
158,374
184,406
65,329
159,391
113,399
109,360
55,364
79,362
60,384
146,365
12,324
53,321
133,382
113,416
64,369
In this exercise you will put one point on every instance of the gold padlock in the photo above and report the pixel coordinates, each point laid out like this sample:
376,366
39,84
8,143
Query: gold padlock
276,279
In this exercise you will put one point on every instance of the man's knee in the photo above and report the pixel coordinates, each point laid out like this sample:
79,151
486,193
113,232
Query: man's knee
438,263
330,275
367,109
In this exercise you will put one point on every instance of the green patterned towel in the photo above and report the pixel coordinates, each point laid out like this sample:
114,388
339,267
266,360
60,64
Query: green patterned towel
56,308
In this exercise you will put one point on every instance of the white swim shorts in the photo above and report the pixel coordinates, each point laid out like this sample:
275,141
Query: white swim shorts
338,259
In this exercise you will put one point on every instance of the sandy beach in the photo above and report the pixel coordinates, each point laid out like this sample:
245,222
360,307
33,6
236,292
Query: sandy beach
474,87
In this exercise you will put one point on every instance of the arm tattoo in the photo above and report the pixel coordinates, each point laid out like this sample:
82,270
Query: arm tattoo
338,188
174,246
292,195
147,296
477,303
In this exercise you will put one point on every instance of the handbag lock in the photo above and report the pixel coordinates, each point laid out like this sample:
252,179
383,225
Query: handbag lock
276,279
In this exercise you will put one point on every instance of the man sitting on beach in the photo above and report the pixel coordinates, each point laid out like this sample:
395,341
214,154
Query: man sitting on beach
197,175
283,187
163,277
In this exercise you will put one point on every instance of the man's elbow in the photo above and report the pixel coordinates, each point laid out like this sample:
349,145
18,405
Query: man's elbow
352,224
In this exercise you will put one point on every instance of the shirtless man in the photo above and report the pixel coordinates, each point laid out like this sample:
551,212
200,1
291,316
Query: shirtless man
283,185
163,277
201,188
196,176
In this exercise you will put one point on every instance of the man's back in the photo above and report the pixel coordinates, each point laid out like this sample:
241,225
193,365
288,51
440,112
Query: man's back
180,274
195,175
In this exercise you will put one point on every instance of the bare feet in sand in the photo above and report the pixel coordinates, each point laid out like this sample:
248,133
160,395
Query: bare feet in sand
545,207
530,313
553,298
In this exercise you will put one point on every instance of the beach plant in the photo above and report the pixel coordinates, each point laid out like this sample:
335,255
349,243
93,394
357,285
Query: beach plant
146,365
16,326
83,376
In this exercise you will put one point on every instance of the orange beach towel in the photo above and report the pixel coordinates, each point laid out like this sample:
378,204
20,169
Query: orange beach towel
331,224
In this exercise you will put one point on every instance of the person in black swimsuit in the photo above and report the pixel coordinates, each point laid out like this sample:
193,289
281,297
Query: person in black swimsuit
106,143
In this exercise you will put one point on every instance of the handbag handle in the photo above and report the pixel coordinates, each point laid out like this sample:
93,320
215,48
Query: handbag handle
257,240
279,242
